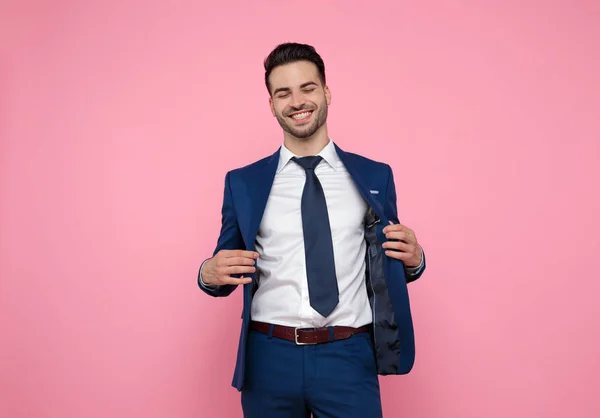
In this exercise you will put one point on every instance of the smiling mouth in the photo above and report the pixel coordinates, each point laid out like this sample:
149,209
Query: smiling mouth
301,116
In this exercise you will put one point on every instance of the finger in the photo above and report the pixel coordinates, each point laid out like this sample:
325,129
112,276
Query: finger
396,227
240,253
238,261
236,280
238,270
398,235
399,246
398,255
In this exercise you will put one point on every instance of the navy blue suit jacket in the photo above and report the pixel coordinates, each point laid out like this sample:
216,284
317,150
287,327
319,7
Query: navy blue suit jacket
245,197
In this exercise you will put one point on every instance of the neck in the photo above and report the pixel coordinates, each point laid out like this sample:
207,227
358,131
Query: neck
304,147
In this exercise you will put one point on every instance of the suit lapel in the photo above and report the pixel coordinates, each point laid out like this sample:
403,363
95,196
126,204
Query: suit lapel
261,184
355,171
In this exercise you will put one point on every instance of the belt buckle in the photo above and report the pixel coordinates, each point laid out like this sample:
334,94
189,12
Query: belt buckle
296,337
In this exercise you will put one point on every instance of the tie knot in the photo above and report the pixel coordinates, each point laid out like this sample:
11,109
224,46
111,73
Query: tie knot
308,163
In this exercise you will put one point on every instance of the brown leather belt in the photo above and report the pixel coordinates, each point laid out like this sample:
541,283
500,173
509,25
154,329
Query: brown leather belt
305,336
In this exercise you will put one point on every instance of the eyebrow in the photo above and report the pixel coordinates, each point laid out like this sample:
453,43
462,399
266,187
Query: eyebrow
309,83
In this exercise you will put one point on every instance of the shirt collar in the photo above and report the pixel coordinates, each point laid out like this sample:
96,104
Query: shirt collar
328,153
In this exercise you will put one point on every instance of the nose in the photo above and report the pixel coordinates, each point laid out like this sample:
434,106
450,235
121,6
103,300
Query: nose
297,99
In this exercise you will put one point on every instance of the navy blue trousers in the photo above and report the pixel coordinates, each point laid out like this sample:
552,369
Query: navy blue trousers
332,380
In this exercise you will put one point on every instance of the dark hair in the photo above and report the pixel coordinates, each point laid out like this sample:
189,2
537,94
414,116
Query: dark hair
289,52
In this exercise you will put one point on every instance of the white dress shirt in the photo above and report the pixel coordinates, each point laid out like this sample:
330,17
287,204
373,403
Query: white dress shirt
282,295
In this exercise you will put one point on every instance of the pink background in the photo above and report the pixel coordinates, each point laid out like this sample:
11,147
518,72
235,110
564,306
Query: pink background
119,121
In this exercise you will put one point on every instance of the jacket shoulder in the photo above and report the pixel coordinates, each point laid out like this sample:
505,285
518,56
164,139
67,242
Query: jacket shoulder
249,169
251,166
368,163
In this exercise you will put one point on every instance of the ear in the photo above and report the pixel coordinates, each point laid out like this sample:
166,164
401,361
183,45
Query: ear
271,106
327,95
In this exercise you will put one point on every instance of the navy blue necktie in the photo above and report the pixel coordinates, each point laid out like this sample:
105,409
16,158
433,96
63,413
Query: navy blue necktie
318,245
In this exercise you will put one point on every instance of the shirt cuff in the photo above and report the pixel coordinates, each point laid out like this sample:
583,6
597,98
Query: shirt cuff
207,286
413,270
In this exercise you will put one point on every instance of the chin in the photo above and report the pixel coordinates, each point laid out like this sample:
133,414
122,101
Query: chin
305,133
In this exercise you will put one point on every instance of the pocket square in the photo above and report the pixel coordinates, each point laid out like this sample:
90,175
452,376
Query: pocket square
374,191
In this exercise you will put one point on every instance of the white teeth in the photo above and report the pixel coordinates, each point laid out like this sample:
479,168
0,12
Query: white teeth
301,115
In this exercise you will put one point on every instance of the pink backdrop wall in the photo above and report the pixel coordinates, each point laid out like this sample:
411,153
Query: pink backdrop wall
118,121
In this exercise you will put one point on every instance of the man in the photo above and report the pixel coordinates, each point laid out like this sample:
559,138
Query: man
312,234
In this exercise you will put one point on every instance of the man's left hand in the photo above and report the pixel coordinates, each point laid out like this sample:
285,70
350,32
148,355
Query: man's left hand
402,245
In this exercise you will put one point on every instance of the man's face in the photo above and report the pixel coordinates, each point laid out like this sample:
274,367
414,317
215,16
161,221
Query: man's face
298,99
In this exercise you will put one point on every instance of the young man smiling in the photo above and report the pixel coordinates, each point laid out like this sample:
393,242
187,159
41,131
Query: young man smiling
312,235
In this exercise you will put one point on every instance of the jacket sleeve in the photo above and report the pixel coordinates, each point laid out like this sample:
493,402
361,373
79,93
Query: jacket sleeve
230,238
391,210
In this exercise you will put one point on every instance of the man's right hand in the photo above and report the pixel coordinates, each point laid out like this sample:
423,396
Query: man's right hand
218,270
